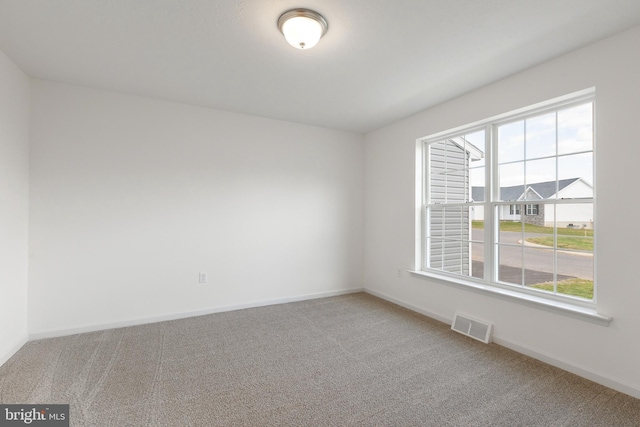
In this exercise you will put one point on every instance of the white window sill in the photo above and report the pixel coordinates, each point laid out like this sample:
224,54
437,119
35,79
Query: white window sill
566,308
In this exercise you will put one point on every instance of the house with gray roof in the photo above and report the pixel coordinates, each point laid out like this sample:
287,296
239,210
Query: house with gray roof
574,215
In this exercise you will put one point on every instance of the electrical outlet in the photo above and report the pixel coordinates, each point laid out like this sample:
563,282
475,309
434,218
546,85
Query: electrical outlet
399,272
202,277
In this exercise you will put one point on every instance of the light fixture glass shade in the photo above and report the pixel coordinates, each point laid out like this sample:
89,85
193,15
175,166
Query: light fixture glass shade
302,28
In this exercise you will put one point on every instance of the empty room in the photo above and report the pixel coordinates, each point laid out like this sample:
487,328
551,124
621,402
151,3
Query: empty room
319,213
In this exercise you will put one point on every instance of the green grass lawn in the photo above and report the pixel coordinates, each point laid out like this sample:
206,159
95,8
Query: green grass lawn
477,224
530,228
575,287
568,238
565,242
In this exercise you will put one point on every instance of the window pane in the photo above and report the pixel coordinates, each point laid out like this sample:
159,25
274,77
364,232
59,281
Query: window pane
541,136
457,186
541,179
575,220
477,257
449,255
575,249
447,226
476,148
453,224
435,217
575,129
448,245
575,274
511,142
448,171
511,181
511,229
435,250
510,264
456,256
477,223
538,267
576,166
477,179
455,154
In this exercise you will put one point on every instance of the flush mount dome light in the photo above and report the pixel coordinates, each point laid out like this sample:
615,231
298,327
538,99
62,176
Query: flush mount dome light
302,27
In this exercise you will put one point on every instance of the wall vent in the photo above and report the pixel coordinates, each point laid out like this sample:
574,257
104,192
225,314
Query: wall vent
474,328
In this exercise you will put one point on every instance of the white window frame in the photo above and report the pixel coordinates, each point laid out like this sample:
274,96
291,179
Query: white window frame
577,307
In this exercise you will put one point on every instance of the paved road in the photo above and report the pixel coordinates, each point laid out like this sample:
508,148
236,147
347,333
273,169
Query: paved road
538,261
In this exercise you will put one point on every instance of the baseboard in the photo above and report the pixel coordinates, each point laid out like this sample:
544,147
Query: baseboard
184,315
604,380
13,350
409,306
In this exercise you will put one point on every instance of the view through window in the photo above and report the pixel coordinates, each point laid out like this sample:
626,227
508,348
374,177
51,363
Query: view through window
511,202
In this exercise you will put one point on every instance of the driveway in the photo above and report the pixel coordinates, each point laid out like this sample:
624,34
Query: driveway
538,261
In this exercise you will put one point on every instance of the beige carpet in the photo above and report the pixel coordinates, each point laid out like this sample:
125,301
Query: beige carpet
353,360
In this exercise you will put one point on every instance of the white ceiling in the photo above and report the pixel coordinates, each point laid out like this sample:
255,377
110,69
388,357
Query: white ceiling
381,60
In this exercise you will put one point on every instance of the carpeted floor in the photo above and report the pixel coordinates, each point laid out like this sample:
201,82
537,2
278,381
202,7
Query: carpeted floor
352,360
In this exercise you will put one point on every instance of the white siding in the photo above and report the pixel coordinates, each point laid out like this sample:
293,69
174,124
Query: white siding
449,226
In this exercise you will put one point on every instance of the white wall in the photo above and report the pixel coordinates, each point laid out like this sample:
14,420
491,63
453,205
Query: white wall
14,211
610,354
131,198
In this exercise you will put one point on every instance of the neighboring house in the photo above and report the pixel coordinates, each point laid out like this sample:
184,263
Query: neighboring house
449,183
449,245
577,215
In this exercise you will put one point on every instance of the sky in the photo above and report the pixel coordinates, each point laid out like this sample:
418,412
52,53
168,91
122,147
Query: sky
556,145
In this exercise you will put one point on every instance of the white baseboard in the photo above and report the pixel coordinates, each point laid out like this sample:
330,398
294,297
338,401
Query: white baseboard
13,350
409,306
615,384
604,380
184,315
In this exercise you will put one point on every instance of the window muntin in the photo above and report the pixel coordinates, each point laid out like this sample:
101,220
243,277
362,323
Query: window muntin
525,218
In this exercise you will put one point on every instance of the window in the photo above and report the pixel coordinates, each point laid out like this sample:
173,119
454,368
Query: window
477,181
532,210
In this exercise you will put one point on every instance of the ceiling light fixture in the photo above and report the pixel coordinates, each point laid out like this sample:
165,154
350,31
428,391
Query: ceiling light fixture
302,28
